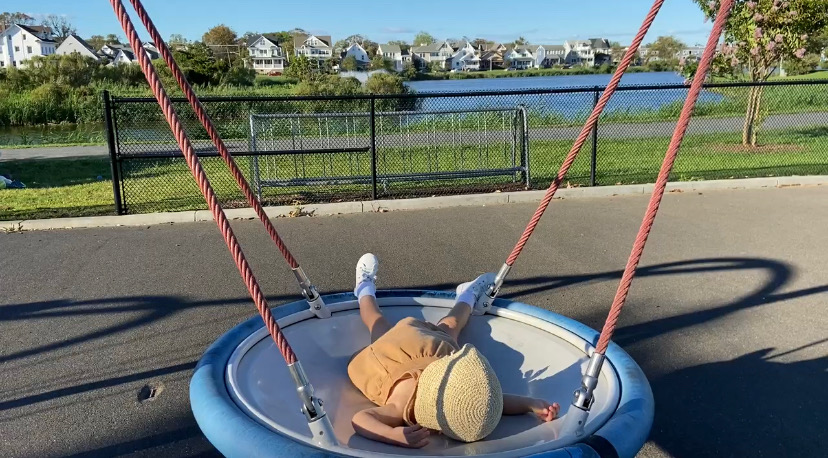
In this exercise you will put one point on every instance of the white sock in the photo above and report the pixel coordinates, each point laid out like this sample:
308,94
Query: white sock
365,288
467,297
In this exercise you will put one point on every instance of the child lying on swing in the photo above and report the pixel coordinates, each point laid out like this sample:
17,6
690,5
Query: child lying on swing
422,380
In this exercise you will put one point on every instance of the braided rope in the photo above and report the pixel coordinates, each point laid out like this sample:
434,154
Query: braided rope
585,131
663,175
203,182
204,118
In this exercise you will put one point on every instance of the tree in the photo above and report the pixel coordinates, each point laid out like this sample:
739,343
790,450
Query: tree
112,39
349,64
96,41
220,35
9,19
617,52
423,38
409,71
381,63
385,83
759,34
520,42
300,68
239,76
177,41
404,46
665,48
60,25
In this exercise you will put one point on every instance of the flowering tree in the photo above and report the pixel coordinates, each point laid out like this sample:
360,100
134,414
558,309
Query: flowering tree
760,34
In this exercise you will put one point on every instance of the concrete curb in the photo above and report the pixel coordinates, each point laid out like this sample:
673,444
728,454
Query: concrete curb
373,206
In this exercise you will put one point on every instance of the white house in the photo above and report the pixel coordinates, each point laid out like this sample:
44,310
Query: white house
126,56
317,48
465,58
579,52
394,54
74,44
690,54
266,56
439,52
552,55
359,53
519,58
20,43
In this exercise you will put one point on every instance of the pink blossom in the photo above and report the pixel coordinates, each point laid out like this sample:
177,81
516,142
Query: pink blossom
757,33
800,53
778,38
804,37
786,4
774,9
751,5
754,50
776,3
711,5
734,62
758,17
770,45
792,13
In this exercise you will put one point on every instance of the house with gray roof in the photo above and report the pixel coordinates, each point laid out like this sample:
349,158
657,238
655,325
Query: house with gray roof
266,55
74,44
317,48
395,54
439,52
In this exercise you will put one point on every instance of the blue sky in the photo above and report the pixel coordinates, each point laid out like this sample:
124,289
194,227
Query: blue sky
540,21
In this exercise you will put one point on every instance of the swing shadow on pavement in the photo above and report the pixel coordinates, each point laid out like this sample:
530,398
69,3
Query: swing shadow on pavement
723,408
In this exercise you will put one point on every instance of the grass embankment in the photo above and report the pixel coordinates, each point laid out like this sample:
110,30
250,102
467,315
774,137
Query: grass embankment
70,187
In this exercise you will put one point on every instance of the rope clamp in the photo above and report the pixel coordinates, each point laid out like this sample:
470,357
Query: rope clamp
484,303
315,302
584,398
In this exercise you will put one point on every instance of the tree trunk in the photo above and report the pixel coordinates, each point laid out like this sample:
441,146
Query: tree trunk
750,128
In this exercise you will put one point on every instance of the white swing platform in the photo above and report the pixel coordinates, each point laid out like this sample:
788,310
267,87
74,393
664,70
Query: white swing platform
534,352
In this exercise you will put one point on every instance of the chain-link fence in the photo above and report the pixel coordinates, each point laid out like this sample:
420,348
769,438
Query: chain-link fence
297,150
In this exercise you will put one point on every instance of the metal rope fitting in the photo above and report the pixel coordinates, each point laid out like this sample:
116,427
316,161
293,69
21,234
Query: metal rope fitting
576,417
484,303
311,405
317,305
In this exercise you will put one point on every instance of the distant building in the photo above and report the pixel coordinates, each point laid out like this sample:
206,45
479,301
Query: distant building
395,54
266,55
19,43
317,48
359,53
439,52
74,44
465,58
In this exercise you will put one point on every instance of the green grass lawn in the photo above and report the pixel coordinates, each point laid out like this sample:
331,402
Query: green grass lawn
70,187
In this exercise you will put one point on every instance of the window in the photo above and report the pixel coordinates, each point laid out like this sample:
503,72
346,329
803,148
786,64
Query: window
17,49
24,37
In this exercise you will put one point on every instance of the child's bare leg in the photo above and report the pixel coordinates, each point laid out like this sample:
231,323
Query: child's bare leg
366,292
456,319
467,295
372,316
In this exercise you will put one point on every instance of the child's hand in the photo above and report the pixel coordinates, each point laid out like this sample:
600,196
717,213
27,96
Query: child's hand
414,436
544,410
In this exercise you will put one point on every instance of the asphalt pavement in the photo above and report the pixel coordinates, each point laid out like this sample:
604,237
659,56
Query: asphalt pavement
727,316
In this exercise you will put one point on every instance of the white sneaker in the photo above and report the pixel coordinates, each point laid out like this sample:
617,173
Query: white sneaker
475,288
366,269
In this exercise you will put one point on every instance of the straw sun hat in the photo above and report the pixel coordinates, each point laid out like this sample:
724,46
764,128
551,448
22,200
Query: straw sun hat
459,395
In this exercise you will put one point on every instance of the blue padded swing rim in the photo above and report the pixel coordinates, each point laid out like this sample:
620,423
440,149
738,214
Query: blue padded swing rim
234,433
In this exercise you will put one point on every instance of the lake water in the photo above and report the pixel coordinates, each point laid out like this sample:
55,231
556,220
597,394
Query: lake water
543,82
569,105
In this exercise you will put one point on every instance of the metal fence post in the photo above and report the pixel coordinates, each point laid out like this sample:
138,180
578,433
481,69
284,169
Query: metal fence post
373,148
113,156
593,161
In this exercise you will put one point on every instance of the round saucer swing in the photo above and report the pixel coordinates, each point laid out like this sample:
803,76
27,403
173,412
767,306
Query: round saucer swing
249,403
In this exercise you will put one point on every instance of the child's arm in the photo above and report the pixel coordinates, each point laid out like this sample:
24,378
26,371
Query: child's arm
516,405
385,424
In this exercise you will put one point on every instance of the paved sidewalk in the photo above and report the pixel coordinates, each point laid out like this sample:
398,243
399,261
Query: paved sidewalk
727,316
